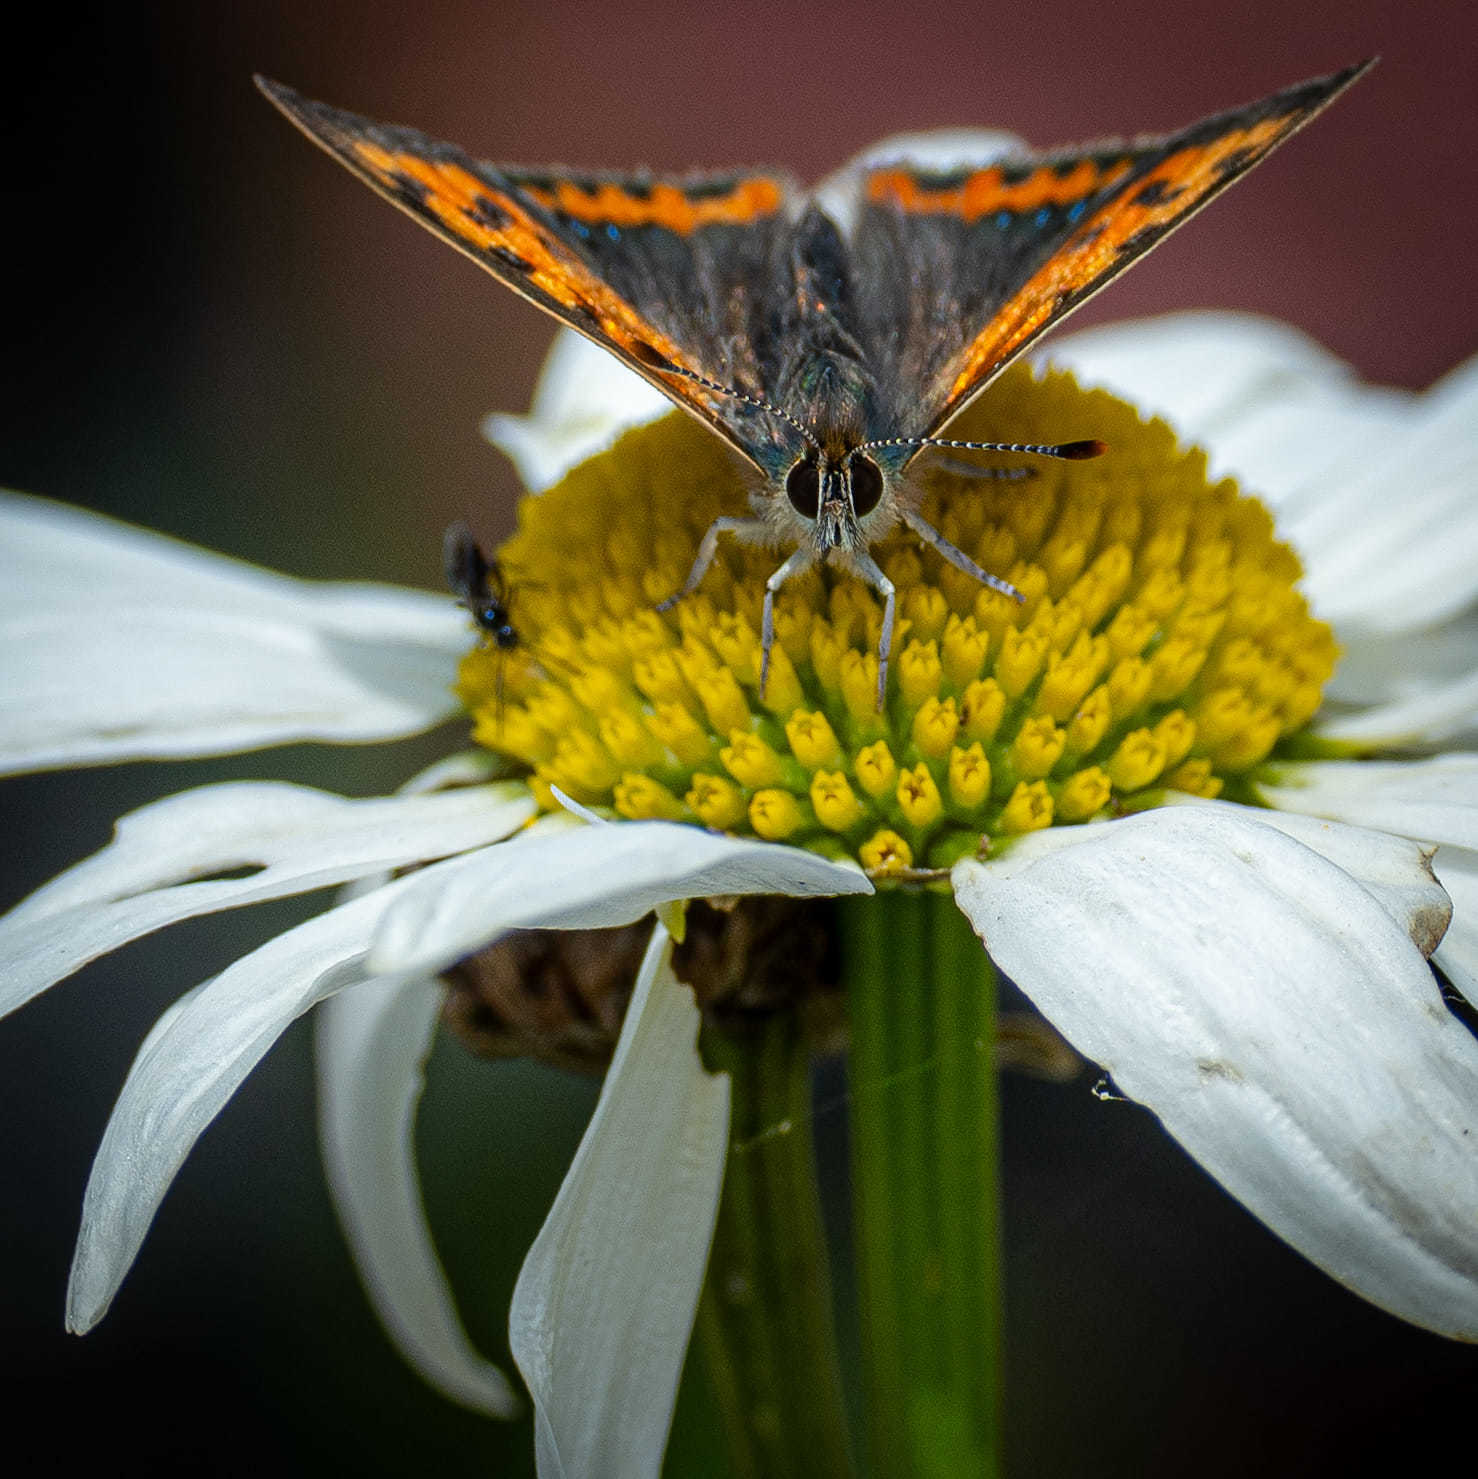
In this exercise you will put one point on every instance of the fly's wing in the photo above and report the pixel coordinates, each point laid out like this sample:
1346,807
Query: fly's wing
659,271
958,271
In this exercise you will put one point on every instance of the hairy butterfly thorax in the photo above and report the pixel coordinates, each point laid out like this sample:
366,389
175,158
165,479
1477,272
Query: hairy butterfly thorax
829,339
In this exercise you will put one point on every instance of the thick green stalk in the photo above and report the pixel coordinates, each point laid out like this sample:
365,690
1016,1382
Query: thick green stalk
921,1003
764,1325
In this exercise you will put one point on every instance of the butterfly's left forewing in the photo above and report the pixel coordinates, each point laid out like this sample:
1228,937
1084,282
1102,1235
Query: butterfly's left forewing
657,271
1002,253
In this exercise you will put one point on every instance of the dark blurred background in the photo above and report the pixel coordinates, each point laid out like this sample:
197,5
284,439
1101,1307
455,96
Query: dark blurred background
213,330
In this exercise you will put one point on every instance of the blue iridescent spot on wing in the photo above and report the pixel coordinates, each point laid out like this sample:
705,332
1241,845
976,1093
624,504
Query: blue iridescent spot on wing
613,232
1003,220
1075,212
1042,217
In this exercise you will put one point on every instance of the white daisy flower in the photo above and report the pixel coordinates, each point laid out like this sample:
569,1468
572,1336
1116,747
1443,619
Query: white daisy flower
1253,968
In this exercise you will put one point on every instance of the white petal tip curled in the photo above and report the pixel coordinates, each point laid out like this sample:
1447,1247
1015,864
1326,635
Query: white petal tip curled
372,1045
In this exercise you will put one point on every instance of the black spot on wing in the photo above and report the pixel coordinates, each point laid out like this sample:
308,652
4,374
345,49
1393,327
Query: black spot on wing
1158,192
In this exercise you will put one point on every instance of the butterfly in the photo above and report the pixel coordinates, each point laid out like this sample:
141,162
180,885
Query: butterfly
828,338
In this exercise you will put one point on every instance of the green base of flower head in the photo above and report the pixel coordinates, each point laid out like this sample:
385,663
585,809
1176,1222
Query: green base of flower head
1161,644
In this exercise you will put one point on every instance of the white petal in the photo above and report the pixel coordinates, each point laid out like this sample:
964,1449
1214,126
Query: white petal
585,399
586,878
1422,719
1396,871
1395,547
196,1057
1436,800
1457,868
372,1044
1286,1032
605,1301
1404,665
164,862
1203,372
118,644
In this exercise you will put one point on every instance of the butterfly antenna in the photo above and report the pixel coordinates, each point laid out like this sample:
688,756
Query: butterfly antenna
645,354
1068,451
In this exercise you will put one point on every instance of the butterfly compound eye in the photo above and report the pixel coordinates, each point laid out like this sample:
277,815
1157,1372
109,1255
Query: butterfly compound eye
803,487
867,484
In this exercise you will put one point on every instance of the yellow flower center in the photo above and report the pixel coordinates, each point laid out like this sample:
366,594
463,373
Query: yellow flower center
1162,644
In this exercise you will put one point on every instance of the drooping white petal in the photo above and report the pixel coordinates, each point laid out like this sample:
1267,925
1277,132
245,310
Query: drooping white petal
372,1044
1396,871
1283,1028
118,644
605,1300
1435,800
585,399
1457,869
195,1058
586,878
165,861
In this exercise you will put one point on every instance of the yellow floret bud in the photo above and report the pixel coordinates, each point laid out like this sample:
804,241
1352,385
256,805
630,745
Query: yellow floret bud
1029,809
935,726
641,799
659,677
1195,778
674,726
783,691
1129,686
969,776
1177,732
885,852
833,801
1083,795
875,769
963,650
982,708
716,801
750,760
1019,661
775,815
919,671
918,796
812,740
1139,760
1089,725
1038,746
629,740
859,684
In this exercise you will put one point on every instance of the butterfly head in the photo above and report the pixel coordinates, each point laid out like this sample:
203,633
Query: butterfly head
835,497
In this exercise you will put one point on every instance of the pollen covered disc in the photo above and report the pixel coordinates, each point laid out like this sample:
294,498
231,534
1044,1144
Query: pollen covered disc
1162,644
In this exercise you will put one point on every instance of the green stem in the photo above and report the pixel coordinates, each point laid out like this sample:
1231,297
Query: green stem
765,1320
921,1003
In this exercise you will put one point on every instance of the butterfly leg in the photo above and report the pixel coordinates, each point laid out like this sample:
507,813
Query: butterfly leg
867,569
800,560
706,552
958,558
